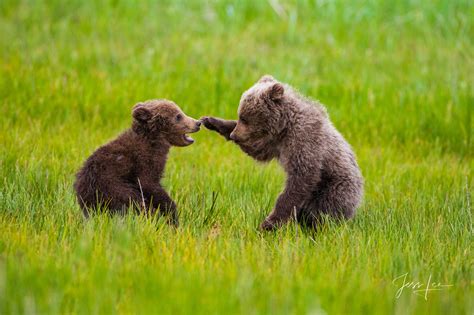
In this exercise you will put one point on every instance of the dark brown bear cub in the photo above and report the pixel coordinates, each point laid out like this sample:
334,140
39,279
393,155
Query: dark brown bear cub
127,171
322,173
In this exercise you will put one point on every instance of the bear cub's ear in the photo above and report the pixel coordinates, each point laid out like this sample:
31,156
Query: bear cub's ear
141,113
266,78
275,91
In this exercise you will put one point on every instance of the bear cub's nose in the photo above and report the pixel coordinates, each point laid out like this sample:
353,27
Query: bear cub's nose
198,123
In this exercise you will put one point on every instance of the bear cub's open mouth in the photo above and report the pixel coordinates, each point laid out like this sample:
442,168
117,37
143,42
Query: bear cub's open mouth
188,139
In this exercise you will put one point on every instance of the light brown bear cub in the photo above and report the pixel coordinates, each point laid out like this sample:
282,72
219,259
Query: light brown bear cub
127,171
322,173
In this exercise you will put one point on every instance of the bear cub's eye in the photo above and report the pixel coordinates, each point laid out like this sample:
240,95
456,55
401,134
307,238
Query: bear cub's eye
178,117
243,120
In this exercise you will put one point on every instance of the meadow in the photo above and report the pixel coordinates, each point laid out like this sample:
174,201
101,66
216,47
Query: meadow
396,78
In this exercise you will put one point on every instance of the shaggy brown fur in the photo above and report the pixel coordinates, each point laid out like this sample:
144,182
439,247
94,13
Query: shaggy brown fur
127,171
322,173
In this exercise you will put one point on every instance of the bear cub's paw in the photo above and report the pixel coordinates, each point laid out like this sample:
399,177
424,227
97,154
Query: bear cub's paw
210,123
221,126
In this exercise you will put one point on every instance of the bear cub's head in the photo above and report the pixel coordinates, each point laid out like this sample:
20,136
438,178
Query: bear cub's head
262,119
163,118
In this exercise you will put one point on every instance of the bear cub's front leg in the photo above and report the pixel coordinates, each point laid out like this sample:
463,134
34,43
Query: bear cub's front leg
159,199
288,203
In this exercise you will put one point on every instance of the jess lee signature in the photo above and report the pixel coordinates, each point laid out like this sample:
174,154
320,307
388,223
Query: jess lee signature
417,287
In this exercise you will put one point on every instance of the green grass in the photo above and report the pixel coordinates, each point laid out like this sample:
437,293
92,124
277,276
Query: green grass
397,79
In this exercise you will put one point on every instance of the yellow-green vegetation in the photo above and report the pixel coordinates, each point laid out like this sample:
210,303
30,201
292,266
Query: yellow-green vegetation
397,79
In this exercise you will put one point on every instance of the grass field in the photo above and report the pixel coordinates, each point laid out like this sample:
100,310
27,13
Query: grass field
397,79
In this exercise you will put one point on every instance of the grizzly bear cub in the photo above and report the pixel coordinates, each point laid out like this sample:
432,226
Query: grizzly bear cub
322,173
127,171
